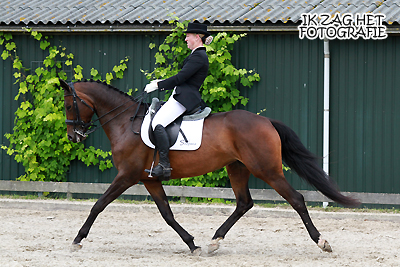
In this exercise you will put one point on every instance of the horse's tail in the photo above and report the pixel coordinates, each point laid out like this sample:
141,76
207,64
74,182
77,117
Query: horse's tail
305,164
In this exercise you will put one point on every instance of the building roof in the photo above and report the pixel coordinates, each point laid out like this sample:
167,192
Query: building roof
239,12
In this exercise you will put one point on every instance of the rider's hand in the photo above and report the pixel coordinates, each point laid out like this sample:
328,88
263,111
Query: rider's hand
152,86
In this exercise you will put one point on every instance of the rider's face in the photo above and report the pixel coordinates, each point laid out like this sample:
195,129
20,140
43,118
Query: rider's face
193,40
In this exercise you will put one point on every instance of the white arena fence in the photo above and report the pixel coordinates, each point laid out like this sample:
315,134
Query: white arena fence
186,191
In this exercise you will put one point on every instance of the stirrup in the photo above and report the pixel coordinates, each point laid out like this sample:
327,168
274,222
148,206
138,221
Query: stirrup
164,176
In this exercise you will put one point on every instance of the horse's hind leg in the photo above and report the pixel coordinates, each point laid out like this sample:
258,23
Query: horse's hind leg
296,200
158,194
239,176
118,186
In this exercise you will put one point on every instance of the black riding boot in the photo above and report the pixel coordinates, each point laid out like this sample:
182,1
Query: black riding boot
163,169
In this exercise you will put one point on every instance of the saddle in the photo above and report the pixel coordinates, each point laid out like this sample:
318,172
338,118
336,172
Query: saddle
174,128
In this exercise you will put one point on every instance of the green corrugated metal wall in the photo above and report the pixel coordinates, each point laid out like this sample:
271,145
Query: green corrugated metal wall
365,115
363,107
10,169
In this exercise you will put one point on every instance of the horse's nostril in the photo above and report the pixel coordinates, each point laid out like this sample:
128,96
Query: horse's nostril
70,138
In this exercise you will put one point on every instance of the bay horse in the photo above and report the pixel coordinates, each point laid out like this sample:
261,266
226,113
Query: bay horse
244,142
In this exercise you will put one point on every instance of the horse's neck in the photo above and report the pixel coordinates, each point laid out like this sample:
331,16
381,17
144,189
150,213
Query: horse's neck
114,110
108,102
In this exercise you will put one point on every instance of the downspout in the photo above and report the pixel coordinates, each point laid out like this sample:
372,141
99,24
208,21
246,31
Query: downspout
326,112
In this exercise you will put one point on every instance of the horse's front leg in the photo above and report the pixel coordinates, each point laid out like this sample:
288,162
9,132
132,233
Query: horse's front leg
118,186
157,192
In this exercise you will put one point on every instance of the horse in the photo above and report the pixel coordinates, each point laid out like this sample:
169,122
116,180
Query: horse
242,141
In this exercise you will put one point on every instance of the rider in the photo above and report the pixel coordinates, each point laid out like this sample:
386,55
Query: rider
185,96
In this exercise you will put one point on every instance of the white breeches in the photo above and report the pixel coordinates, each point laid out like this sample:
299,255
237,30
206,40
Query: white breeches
171,110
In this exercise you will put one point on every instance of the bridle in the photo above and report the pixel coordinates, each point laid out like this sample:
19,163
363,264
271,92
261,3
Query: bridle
82,128
78,122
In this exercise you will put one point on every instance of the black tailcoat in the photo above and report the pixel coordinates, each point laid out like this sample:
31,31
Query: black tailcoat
189,79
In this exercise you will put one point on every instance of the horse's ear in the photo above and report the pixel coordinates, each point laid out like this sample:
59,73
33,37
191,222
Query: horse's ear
64,85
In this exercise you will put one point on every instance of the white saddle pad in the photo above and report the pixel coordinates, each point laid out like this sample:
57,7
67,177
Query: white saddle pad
193,130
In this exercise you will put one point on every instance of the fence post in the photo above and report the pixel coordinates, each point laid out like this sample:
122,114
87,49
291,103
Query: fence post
183,198
69,194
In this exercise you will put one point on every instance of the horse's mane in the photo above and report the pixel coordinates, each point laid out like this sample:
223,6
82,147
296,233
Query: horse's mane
111,88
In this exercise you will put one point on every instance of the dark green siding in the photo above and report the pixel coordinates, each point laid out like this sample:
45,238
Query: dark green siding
9,168
365,115
364,92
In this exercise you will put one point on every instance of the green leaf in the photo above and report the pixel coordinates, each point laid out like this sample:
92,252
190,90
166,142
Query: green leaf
226,107
5,54
160,58
39,71
109,163
78,72
229,69
23,88
10,46
245,81
53,81
17,64
25,105
116,68
44,44
119,75
244,101
234,101
78,76
48,62
109,77
164,47
94,72
36,35
8,36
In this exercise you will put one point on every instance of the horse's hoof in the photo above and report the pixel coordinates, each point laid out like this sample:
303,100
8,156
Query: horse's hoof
197,251
76,247
214,245
324,245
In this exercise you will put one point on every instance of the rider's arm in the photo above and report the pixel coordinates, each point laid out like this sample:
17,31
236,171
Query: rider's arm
195,62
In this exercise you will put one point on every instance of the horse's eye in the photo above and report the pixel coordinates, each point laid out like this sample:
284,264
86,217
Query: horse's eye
68,107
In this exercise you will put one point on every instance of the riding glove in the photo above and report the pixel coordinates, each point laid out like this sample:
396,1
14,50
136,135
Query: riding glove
152,86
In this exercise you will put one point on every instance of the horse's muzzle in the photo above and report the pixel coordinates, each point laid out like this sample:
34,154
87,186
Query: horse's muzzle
77,137
73,138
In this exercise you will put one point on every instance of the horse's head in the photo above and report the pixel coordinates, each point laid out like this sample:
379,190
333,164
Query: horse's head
79,112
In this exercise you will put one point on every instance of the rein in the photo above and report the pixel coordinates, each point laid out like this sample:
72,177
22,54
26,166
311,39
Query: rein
86,126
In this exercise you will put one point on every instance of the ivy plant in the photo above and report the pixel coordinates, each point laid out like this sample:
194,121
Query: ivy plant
39,139
220,88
